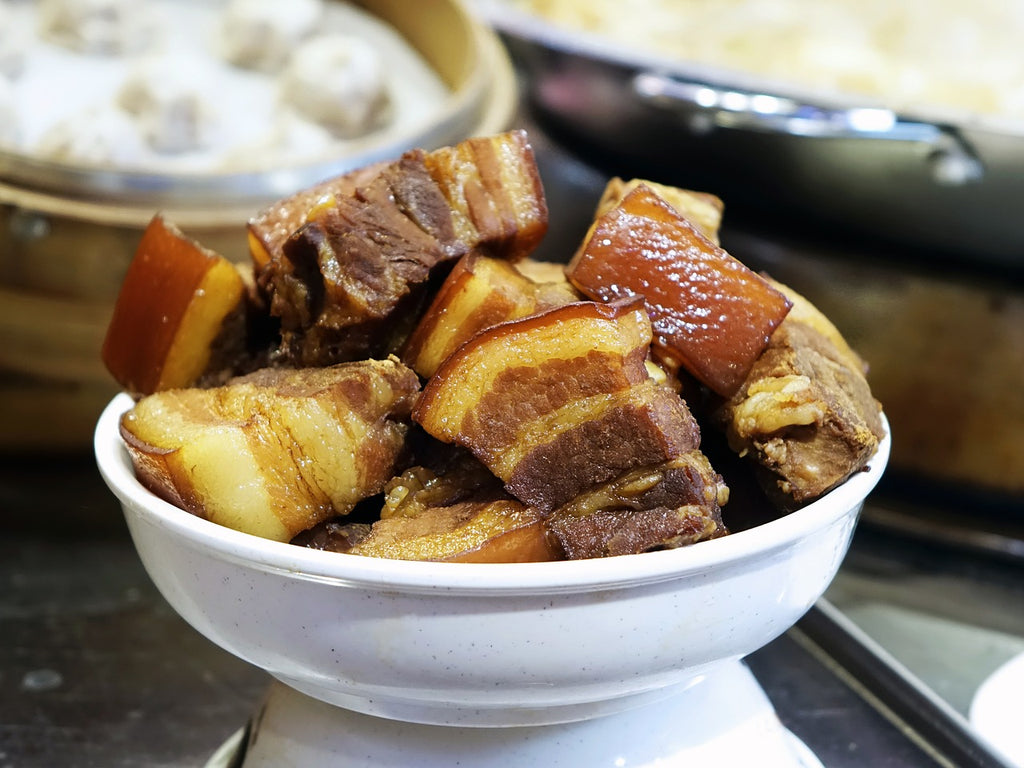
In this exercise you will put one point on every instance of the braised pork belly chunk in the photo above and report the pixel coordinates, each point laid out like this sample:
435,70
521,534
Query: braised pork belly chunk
417,386
711,314
481,292
185,315
805,412
272,226
558,402
663,506
560,405
452,511
703,210
471,531
351,280
347,278
278,451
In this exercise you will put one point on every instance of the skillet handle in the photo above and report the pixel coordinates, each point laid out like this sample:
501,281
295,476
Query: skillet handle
952,160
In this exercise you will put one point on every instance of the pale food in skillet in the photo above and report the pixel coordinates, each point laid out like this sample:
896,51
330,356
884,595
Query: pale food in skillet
910,54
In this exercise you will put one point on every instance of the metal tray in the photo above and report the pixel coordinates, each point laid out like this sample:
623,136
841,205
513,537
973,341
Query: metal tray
942,181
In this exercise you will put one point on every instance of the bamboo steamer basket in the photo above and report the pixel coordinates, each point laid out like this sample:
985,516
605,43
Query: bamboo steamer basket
67,234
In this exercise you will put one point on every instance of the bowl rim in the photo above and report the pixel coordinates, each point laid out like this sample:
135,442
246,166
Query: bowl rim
336,568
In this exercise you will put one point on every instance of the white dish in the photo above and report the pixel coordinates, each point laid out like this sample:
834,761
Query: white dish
996,710
726,720
486,644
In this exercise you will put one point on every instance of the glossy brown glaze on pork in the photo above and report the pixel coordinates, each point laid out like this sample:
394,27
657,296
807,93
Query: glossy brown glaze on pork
805,413
353,279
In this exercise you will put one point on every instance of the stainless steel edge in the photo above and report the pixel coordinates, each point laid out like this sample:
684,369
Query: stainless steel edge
947,155
874,673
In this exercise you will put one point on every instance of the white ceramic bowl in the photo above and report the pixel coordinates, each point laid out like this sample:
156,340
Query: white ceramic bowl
485,644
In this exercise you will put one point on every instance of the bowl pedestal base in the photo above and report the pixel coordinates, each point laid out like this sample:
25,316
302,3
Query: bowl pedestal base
726,719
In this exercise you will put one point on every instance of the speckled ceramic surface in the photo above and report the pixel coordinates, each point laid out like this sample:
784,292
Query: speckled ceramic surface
486,644
725,720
